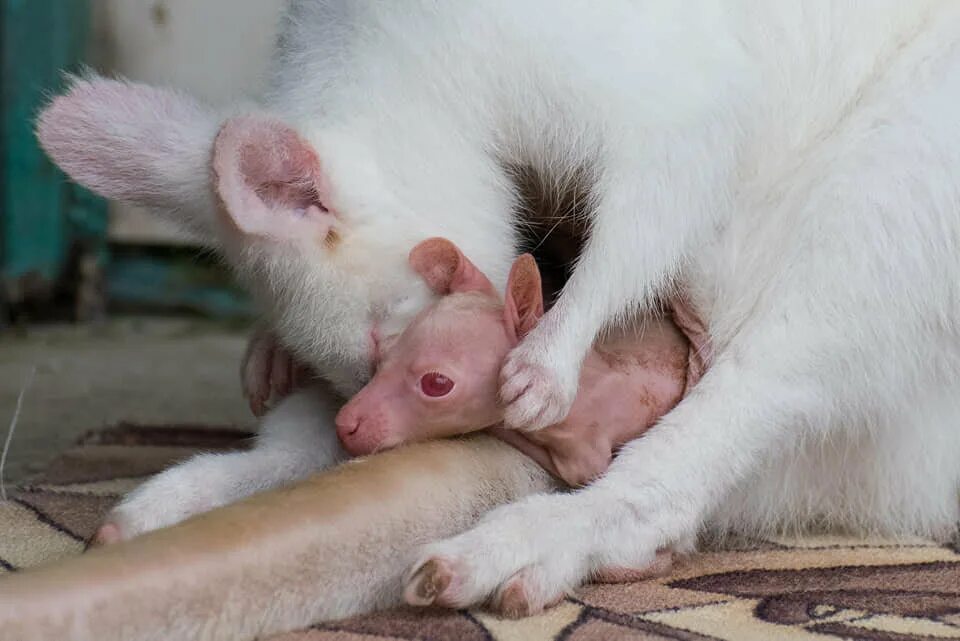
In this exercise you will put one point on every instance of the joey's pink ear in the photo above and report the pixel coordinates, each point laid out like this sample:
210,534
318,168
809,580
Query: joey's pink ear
136,143
446,270
524,301
269,180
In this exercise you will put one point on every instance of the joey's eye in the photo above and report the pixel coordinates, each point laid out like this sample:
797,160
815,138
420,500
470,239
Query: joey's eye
436,385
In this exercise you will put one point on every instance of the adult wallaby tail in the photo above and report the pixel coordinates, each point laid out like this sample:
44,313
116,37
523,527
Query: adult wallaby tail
332,546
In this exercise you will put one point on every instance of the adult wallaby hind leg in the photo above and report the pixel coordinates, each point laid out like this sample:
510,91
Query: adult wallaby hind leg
332,546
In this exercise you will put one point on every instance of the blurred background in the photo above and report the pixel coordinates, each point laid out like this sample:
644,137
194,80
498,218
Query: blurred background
106,314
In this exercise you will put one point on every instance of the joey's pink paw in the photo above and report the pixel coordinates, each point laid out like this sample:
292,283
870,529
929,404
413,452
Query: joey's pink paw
535,394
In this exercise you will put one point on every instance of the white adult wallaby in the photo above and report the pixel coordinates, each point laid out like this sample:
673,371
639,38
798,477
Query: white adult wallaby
795,168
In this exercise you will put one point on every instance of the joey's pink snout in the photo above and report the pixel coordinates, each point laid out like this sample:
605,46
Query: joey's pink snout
372,421
357,432
348,424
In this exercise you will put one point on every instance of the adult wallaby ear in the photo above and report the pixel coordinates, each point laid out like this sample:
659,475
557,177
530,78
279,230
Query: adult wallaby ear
523,306
269,180
446,270
135,143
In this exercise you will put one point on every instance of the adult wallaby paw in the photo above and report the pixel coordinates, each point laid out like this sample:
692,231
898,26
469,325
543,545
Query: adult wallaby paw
269,372
535,394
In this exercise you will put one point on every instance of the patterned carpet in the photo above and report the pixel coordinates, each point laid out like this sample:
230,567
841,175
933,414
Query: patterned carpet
813,589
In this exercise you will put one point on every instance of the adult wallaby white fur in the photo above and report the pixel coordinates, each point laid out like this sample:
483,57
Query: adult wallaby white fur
794,169
334,545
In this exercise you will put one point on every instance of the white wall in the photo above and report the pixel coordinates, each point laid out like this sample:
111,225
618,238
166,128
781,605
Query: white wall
216,49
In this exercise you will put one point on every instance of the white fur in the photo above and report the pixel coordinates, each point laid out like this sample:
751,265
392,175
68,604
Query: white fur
295,440
795,167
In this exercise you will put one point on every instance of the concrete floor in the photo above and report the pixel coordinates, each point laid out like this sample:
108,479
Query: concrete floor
144,370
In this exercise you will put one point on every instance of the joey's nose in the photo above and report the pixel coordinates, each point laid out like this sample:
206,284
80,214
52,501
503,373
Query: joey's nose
355,436
348,431
362,427
348,423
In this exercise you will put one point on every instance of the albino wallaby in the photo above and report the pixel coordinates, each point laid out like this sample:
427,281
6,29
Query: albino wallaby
439,377
794,170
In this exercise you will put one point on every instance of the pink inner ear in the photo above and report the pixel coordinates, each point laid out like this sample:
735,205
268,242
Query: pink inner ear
523,306
446,270
269,179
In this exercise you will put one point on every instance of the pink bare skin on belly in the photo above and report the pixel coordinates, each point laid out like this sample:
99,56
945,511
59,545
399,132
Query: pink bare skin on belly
440,377
625,386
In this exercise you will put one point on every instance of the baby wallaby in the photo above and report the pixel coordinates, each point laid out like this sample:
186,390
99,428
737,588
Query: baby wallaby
440,377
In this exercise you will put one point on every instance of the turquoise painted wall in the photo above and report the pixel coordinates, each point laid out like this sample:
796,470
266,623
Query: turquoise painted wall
41,214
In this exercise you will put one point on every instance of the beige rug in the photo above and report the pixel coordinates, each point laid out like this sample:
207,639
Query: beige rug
815,589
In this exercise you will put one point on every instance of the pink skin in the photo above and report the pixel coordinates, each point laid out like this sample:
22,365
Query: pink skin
625,387
462,337
626,384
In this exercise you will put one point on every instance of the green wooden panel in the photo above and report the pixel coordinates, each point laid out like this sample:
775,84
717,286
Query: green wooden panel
174,280
41,214
46,222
